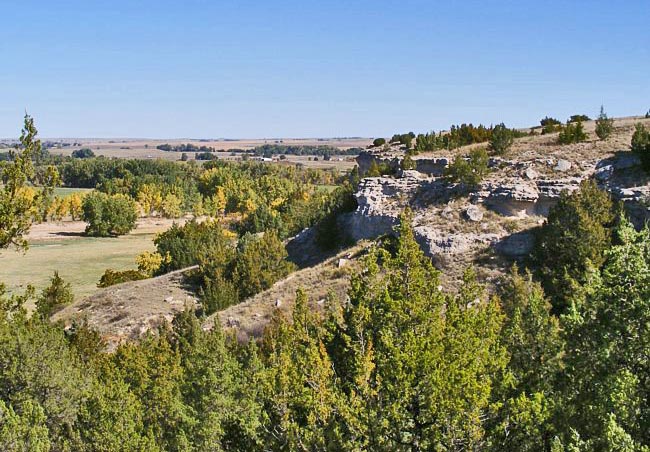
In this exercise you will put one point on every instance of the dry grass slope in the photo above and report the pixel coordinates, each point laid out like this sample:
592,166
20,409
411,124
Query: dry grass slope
127,311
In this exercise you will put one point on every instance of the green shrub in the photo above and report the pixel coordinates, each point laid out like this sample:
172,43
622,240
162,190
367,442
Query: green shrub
404,138
84,153
54,297
112,277
187,245
579,118
572,133
604,125
108,215
549,125
641,145
217,293
328,234
501,139
259,262
426,142
407,162
469,171
379,142
378,169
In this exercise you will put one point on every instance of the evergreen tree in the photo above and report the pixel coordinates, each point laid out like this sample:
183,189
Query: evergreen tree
225,417
300,395
25,431
604,125
468,171
408,163
607,376
416,366
54,297
259,263
573,238
641,145
525,393
501,139
573,132
17,207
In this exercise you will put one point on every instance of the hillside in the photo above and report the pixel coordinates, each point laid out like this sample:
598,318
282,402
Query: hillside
248,319
126,311
489,228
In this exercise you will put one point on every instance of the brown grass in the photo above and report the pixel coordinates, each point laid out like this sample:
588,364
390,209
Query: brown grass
128,310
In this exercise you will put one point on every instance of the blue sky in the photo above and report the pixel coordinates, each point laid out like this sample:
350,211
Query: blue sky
208,69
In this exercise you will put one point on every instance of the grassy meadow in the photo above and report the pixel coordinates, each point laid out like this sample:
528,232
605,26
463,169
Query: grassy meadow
80,261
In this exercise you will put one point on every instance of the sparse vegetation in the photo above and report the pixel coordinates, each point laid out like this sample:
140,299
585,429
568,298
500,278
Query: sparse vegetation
550,125
578,118
112,277
407,162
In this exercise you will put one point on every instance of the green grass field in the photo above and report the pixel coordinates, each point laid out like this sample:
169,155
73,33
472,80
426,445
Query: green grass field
80,261
65,191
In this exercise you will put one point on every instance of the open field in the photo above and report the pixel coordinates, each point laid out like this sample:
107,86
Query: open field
146,148
79,260
65,191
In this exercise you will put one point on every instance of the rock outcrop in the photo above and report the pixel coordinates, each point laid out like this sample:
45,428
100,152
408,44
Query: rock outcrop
516,189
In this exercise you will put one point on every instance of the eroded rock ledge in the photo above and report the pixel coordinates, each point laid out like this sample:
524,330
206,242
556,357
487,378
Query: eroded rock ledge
514,191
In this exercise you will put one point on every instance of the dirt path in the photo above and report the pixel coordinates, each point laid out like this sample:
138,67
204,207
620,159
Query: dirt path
75,229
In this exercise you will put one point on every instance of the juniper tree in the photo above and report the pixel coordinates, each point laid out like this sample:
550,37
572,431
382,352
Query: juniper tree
17,207
604,125
574,236
641,145
501,139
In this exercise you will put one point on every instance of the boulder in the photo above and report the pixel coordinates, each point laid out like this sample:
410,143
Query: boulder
473,213
530,173
562,165
604,173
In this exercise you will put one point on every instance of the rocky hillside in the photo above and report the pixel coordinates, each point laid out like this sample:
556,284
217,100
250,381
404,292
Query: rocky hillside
491,225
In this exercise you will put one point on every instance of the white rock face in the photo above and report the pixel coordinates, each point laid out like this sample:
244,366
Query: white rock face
514,188
434,243
380,201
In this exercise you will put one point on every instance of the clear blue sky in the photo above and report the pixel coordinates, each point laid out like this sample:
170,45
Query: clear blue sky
165,69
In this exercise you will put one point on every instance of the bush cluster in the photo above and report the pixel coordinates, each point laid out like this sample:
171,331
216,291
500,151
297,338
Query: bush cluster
572,133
